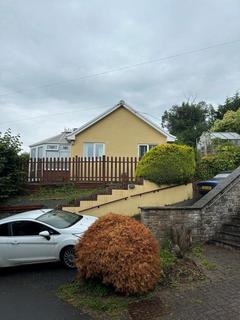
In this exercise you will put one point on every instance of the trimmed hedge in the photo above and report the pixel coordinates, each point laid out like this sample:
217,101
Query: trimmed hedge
167,164
227,158
121,252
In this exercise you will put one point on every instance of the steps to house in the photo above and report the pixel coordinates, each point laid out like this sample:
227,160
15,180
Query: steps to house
231,227
229,235
114,194
128,201
226,244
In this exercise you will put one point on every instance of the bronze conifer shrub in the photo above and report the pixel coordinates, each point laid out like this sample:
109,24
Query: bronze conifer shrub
121,252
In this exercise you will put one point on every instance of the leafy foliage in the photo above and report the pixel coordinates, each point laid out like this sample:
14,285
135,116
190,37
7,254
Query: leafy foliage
167,164
188,121
121,252
230,122
231,104
227,158
10,171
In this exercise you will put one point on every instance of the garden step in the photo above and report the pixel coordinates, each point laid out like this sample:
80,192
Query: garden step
115,195
229,236
227,244
236,219
231,227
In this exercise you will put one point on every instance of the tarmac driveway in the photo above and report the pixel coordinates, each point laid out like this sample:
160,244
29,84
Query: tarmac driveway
29,293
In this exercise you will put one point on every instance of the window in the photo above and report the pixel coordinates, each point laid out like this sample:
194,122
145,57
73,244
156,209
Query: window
29,228
4,230
52,147
151,146
60,219
40,152
64,147
91,149
143,148
33,153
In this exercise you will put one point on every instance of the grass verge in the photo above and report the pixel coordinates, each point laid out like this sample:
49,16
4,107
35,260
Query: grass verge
95,298
63,194
103,303
198,252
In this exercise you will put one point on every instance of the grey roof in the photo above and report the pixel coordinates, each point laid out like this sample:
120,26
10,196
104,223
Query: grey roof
59,139
122,103
224,135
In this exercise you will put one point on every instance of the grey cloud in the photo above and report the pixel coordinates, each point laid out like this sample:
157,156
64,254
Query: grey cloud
47,46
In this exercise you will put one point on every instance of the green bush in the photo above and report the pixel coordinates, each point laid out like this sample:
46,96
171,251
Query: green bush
227,158
10,168
232,153
167,164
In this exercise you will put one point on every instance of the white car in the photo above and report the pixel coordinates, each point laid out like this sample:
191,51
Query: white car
41,236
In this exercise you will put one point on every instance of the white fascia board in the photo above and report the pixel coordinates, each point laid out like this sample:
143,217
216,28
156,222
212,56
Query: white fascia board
71,136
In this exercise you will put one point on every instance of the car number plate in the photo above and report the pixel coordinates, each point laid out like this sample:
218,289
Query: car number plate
206,188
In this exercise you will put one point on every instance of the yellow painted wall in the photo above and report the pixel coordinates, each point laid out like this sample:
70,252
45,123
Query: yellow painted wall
121,131
130,206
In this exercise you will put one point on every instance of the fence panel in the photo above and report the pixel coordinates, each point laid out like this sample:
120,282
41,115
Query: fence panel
80,170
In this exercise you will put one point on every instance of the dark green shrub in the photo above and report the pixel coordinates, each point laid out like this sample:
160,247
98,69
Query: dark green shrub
167,164
227,158
10,165
231,152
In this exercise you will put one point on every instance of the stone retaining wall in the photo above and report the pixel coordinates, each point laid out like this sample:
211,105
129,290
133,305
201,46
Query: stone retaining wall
205,217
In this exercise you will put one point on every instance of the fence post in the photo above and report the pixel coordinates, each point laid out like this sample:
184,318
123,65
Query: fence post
103,167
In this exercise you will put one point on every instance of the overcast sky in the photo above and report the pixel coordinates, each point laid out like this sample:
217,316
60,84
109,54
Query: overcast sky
48,47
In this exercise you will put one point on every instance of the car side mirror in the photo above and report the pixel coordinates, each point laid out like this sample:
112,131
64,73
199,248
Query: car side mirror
45,234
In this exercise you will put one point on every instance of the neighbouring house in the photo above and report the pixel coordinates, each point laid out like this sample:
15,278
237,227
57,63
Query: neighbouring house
120,131
54,147
209,141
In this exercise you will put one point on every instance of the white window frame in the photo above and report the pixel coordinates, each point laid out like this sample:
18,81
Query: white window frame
53,145
145,145
38,151
94,148
33,150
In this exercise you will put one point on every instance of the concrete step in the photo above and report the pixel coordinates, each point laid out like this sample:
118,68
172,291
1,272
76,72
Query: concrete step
231,227
226,244
114,195
236,220
229,236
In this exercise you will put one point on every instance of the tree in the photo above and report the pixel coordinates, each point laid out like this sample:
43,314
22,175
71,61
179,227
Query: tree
10,146
188,121
230,122
231,104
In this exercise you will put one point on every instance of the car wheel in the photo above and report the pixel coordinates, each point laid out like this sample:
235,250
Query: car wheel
67,257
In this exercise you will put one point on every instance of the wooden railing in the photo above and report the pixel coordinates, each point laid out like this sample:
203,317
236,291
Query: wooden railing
82,170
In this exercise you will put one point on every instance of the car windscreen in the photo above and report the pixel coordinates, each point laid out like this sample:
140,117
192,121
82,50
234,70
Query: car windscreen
221,176
60,219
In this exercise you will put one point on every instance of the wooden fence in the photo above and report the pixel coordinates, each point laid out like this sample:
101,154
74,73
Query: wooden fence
82,170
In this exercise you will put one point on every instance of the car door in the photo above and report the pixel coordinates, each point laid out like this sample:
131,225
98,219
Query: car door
5,240
27,246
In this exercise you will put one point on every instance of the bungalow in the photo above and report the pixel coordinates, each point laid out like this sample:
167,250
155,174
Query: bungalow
120,131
